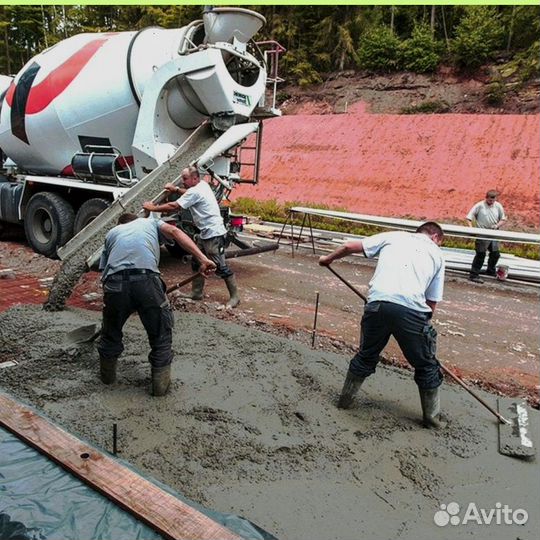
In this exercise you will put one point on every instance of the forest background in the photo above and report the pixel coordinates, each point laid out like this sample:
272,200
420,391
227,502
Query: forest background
318,39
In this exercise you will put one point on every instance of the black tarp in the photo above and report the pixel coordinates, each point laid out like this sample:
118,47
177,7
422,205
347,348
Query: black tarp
39,500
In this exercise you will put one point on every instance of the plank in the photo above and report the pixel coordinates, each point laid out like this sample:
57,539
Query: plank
169,516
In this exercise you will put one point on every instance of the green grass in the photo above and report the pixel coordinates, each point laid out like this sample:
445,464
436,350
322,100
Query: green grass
276,212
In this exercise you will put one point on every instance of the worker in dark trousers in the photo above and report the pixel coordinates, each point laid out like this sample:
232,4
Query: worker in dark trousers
197,196
132,283
407,284
486,214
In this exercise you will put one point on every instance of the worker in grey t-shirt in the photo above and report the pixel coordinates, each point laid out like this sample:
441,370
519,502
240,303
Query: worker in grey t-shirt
132,283
486,214
198,197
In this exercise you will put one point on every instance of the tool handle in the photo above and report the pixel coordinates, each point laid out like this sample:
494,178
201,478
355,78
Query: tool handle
182,283
501,418
352,287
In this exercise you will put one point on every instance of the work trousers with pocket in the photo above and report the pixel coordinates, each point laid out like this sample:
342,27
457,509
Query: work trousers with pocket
481,246
124,294
412,330
214,249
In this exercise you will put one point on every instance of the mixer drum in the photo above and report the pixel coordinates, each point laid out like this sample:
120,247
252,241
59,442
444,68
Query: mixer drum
80,92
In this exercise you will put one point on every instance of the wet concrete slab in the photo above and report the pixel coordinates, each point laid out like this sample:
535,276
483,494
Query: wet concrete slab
250,426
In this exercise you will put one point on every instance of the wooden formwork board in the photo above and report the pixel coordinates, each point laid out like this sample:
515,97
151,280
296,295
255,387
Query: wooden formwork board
163,512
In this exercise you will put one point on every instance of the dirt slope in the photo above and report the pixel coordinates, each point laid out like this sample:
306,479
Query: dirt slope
418,166
447,91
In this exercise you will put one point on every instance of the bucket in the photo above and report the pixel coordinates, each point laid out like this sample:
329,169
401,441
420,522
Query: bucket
237,221
502,272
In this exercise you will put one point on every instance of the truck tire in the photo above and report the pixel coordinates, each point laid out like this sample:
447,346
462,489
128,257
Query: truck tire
88,211
48,223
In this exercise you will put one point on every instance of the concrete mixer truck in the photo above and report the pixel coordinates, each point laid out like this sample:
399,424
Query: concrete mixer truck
86,120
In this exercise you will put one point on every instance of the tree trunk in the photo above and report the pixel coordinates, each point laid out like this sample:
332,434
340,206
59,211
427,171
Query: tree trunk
392,14
342,60
8,56
64,21
445,30
44,27
432,21
511,29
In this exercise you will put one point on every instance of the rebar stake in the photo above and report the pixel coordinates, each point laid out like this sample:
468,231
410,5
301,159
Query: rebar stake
114,438
313,333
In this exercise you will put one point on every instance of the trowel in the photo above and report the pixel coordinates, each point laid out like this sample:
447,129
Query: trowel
83,334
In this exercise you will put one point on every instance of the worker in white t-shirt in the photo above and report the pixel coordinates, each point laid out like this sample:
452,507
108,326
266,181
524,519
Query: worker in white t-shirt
407,284
487,214
198,197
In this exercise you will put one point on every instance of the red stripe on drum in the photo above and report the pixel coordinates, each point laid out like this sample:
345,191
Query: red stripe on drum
60,78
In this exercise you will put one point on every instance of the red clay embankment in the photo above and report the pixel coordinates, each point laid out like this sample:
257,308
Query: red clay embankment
419,166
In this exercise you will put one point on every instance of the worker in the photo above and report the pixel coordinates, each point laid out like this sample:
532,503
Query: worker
487,214
404,291
132,282
197,196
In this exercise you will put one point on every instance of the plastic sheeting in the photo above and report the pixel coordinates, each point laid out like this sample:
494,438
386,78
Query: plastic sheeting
41,501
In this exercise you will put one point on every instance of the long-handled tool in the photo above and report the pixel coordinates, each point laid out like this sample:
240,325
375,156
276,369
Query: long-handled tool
515,437
352,287
182,283
90,332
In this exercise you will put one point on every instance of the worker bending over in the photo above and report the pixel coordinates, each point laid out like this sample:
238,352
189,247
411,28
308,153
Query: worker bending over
132,282
197,195
407,284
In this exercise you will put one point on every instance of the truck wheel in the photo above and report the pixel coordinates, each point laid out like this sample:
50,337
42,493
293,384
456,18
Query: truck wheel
88,211
48,222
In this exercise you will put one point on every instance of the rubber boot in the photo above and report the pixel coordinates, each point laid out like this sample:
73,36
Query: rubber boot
161,380
107,370
197,287
234,299
431,408
350,388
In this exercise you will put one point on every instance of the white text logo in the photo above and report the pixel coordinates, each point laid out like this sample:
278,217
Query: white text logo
502,514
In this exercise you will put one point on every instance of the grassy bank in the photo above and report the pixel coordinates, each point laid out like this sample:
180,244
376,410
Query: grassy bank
277,212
